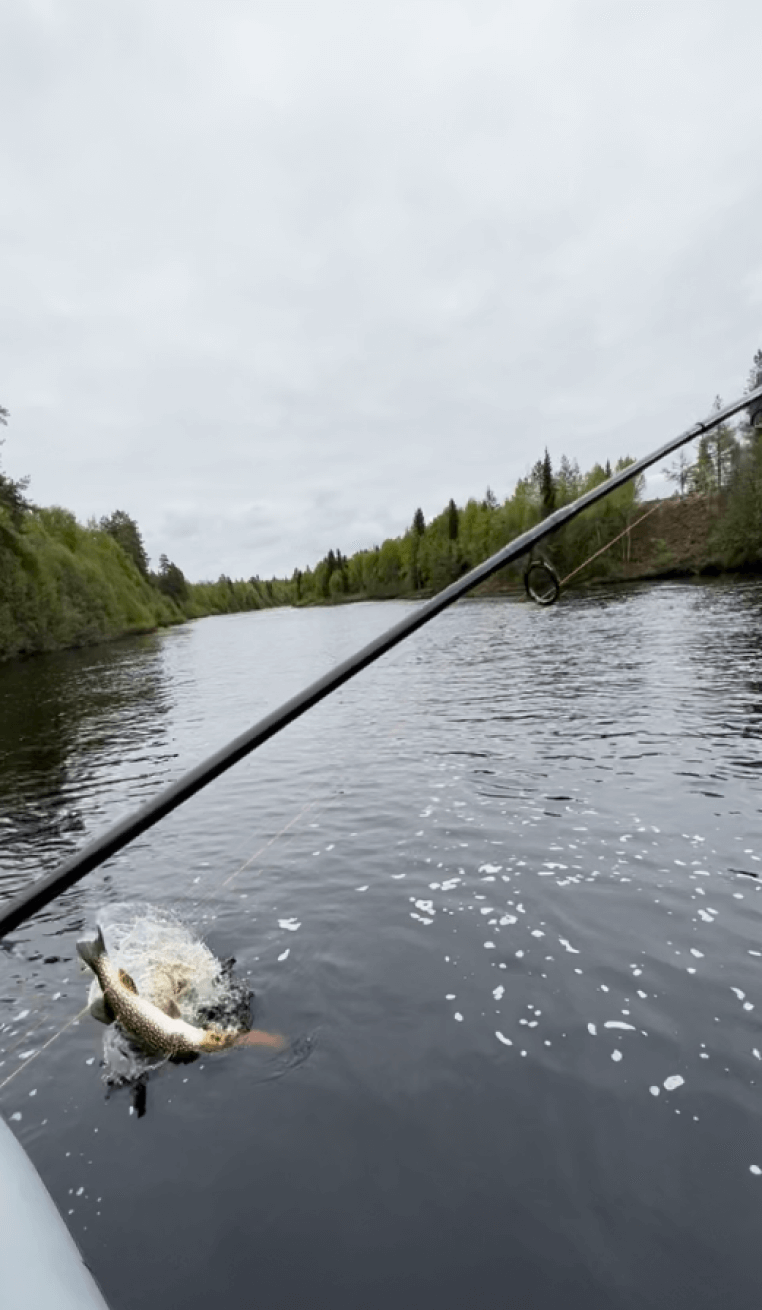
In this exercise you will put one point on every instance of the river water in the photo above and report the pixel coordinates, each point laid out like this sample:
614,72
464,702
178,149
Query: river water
501,893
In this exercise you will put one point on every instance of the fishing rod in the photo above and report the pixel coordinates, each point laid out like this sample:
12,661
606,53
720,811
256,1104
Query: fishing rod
45,889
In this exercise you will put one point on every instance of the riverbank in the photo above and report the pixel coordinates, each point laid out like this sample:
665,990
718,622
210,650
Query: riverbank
669,538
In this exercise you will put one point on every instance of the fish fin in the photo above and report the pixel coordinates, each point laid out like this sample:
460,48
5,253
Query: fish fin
91,950
169,1007
127,981
259,1038
101,1008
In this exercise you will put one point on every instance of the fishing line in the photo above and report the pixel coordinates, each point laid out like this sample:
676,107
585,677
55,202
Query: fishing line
45,889
613,542
44,1047
310,805
547,572
25,1037
266,845
290,825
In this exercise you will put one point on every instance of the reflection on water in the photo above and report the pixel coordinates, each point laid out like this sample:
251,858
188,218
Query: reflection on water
510,875
73,727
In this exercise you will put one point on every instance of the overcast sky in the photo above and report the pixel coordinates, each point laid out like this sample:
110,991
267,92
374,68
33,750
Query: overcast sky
275,273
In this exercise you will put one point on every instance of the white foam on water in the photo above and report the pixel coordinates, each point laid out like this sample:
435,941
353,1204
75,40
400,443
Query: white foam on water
673,1082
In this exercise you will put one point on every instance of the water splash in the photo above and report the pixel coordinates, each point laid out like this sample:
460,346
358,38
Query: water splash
168,962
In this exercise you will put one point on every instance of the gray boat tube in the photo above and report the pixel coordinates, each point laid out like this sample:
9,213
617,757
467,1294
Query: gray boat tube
102,848
40,1267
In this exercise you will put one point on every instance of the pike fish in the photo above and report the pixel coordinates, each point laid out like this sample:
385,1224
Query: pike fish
159,1029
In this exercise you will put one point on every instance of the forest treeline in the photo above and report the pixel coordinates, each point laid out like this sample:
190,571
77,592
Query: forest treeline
727,466
65,584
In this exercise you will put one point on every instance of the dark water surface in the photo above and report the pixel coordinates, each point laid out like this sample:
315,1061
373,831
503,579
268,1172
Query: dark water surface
501,891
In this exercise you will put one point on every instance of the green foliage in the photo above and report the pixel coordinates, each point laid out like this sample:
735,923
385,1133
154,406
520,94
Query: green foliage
547,486
65,585
428,557
171,580
718,453
223,597
126,532
453,521
664,556
62,584
738,536
12,498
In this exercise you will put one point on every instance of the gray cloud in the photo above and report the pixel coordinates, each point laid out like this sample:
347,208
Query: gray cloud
275,275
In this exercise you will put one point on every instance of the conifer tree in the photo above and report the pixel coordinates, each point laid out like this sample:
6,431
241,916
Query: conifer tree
547,487
679,471
702,477
452,520
171,580
722,449
125,531
754,413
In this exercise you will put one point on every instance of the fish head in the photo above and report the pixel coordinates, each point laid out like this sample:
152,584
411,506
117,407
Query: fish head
215,1039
